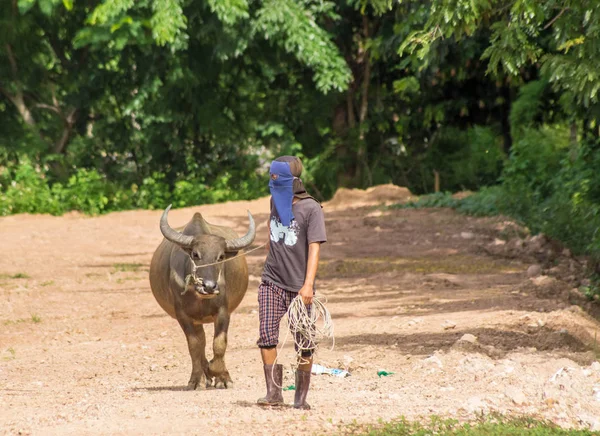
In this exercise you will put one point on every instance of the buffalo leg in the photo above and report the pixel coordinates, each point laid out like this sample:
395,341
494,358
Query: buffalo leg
196,340
217,367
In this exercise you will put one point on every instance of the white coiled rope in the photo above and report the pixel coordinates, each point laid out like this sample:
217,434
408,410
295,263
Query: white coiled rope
307,328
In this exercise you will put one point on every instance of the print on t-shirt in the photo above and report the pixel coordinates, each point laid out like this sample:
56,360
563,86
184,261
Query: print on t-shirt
288,234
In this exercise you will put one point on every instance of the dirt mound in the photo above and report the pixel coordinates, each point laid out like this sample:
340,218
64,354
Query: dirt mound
381,194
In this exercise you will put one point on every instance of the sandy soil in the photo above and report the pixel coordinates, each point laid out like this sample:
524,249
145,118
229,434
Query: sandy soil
85,349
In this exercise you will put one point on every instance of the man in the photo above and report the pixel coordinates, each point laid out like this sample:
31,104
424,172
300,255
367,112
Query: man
296,232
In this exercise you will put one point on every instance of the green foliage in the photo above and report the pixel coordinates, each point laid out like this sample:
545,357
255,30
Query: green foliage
89,192
153,191
482,203
491,426
439,199
485,202
287,23
230,11
465,159
86,191
563,38
535,159
476,159
515,38
525,110
28,192
168,21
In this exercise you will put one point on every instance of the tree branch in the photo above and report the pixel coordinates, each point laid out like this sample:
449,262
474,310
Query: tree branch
556,18
50,108
13,62
17,98
60,144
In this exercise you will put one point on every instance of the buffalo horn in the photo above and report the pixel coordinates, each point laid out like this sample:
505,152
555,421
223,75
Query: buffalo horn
172,235
244,241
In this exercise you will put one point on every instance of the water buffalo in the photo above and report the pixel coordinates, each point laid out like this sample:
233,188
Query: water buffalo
194,290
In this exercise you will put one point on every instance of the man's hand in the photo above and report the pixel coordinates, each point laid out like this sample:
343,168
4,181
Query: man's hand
306,293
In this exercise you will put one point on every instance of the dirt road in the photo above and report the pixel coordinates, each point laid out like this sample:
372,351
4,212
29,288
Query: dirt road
85,349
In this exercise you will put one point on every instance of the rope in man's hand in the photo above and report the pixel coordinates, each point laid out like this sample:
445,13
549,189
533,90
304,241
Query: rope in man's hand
305,326
308,327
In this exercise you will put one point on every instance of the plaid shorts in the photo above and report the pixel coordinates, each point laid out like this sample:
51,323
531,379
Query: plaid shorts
273,303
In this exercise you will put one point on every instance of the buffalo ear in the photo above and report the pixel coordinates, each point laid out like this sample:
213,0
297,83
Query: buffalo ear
230,254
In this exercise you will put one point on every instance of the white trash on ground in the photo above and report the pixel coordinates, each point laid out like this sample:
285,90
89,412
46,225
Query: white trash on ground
320,369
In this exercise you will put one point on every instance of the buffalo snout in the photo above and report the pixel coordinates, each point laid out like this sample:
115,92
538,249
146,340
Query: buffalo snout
211,286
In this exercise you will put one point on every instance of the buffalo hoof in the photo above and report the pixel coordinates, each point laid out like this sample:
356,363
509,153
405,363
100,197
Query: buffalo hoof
223,384
223,381
198,383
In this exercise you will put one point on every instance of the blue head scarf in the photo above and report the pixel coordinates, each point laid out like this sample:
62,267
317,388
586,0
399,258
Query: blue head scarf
281,186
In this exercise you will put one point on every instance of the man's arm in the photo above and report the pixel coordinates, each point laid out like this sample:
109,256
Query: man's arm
307,291
268,244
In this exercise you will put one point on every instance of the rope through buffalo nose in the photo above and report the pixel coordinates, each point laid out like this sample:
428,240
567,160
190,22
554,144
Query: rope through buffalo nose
226,260
199,282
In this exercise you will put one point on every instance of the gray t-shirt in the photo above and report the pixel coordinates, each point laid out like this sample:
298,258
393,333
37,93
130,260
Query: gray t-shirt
288,249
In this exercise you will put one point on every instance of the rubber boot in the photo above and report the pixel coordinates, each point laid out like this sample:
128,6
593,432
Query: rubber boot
302,384
274,381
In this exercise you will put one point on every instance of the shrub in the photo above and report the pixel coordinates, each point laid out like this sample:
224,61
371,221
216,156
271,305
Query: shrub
465,159
27,191
25,188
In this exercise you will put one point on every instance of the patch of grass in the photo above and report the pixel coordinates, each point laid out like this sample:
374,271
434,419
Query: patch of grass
15,276
93,274
20,276
124,279
492,426
16,321
35,318
47,283
483,203
13,354
440,199
125,267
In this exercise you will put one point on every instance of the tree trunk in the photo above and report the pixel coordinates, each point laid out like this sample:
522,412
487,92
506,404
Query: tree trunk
59,146
17,98
362,167
504,119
